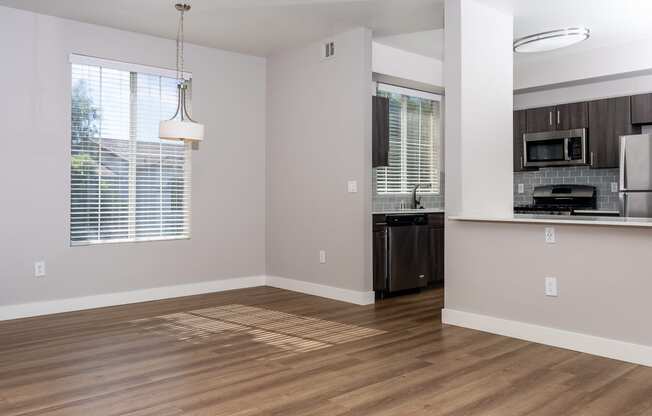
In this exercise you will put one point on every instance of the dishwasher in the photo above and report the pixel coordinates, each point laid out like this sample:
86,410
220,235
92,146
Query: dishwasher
408,243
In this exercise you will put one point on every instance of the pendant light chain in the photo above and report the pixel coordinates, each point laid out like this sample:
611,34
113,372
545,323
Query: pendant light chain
181,126
180,42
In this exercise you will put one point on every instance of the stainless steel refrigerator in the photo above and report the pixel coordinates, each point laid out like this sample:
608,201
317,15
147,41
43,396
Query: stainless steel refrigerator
636,175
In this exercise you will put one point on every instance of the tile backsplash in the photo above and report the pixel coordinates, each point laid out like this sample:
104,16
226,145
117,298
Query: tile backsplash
583,175
392,202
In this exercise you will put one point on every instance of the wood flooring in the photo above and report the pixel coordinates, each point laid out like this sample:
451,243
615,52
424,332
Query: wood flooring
266,351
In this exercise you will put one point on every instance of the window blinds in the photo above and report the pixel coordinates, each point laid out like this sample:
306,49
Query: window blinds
414,143
126,183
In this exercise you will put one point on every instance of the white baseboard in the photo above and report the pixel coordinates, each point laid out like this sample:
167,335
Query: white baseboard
330,292
604,347
26,310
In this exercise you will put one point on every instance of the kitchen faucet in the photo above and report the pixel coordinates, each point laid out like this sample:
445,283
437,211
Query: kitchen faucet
416,202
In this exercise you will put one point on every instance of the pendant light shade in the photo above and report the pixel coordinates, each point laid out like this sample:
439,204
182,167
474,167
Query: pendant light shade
181,130
181,126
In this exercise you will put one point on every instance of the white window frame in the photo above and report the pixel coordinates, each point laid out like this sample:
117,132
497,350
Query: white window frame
438,145
78,59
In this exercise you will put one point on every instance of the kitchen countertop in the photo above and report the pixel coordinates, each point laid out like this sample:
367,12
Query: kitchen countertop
559,219
412,211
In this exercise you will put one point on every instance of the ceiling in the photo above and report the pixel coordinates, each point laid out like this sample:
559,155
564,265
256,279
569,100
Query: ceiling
258,27
612,22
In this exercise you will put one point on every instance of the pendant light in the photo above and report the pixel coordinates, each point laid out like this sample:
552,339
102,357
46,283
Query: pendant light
181,126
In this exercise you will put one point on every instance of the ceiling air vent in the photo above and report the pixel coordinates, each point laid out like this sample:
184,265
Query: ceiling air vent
329,50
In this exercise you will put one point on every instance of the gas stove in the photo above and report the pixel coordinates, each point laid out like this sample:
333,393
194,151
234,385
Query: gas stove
560,200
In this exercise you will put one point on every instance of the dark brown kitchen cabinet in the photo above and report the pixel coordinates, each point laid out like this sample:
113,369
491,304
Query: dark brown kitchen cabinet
520,127
540,119
380,132
559,117
608,120
436,233
572,116
641,109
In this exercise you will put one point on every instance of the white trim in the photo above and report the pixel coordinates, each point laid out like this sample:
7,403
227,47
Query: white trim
26,310
330,292
122,298
126,66
408,91
604,347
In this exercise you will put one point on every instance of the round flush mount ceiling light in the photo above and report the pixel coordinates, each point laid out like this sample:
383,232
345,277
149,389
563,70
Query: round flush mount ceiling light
550,40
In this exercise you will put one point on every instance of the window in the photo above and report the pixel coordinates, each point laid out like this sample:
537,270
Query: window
126,183
414,142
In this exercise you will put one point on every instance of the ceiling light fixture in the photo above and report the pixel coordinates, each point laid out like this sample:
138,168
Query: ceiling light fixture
181,126
550,40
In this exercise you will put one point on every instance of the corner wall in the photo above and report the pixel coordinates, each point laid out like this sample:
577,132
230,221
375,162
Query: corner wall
228,201
318,138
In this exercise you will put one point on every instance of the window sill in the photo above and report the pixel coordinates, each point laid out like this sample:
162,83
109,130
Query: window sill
125,241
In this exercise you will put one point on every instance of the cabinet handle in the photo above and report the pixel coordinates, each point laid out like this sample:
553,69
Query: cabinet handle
558,116
591,163
550,118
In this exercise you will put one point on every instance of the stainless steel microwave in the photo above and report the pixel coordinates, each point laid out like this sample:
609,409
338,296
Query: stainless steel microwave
555,148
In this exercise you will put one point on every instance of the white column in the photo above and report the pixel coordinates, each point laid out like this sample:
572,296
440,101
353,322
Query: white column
478,75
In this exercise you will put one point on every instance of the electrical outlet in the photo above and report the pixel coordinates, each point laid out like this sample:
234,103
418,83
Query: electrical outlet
614,187
521,188
39,268
322,256
549,234
352,187
551,287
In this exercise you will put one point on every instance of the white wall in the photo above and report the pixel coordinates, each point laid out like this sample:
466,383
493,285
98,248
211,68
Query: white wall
318,138
228,204
621,86
479,101
395,62
599,62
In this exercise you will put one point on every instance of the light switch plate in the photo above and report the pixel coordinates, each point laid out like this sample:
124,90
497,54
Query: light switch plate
352,187
551,287
322,256
39,268
521,188
549,234
614,187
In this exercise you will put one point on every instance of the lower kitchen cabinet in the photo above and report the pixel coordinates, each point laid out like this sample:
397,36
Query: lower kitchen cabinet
436,232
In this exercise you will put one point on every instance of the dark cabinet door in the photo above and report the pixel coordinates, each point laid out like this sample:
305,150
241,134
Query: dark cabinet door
608,120
436,234
520,128
380,260
540,119
641,109
437,254
380,132
572,116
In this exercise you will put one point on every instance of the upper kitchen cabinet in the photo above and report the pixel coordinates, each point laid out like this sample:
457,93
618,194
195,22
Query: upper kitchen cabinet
520,127
641,109
572,116
608,120
380,132
540,119
560,117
